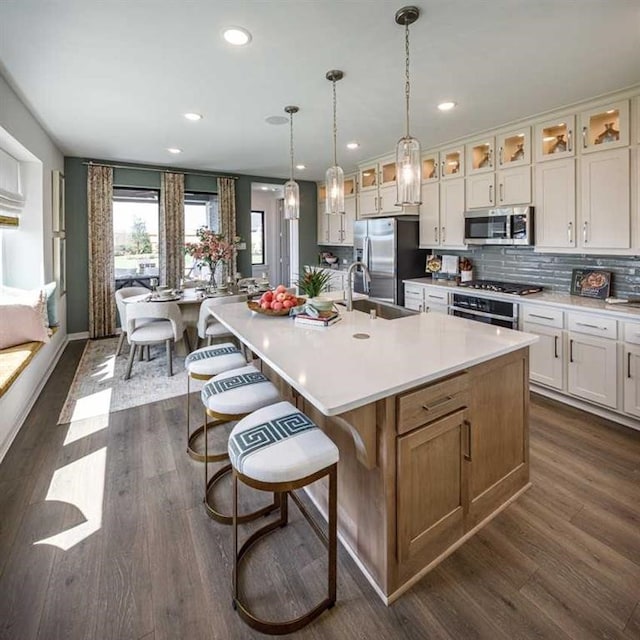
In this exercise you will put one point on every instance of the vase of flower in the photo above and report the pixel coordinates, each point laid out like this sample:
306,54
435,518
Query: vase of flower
211,249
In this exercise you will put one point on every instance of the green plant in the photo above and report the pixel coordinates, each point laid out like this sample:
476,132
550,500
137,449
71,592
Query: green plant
313,281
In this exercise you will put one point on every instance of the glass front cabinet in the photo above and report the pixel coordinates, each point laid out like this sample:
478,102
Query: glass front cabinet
514,148
452,163
480,156
369,177
430,167
605,127
554,139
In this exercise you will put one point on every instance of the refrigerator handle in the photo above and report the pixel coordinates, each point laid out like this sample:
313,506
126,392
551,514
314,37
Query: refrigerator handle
366,277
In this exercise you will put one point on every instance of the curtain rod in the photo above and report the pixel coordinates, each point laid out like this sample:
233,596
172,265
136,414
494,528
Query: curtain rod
139,168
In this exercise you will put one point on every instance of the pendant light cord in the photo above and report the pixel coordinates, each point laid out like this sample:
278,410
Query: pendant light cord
407,87
291,143
335,127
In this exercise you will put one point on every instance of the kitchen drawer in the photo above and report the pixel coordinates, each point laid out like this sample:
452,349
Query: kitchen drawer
436,297
632,332
543,315
425,405
413,290
593,325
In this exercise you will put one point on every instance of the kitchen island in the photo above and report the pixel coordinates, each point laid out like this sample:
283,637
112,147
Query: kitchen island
430,413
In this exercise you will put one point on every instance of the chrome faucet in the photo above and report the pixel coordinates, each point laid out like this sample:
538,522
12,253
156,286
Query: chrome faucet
366,278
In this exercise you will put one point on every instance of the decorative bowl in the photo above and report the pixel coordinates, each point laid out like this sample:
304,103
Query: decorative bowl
320,303
331,259
254,305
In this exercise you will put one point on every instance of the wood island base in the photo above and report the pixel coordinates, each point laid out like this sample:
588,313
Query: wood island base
421,471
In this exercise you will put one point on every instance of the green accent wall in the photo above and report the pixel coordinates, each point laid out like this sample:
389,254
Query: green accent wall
138,176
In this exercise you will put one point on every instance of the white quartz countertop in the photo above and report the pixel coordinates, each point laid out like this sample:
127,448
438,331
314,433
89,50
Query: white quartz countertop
575,303
337,372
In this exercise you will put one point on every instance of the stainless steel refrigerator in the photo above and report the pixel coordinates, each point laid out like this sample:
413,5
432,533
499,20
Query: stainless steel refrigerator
389,248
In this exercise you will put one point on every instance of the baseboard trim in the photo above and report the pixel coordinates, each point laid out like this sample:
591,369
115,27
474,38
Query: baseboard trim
34,396
602,412
82,335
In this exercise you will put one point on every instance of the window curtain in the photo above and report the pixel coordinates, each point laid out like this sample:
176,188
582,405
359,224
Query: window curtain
171,229
102,302
227,213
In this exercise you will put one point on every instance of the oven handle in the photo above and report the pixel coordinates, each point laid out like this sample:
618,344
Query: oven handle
484,314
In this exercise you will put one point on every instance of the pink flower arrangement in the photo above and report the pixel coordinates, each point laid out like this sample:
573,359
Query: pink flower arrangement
211,249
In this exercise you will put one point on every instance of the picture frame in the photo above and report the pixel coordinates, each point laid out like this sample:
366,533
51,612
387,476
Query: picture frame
591,283
57,202
60,263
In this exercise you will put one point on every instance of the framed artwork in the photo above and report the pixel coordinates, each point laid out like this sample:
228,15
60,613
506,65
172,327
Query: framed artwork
591,283
60,263
57,202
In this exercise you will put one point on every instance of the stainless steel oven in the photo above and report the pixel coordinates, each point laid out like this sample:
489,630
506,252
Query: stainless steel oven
499,312
504,225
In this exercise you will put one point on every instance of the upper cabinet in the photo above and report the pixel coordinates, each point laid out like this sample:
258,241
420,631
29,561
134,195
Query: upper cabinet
605,127
430,167
480,155
514,148
452,163
554,139
369,177
338,229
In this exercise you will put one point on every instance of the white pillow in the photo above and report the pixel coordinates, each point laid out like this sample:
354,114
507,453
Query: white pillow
36,298
21,323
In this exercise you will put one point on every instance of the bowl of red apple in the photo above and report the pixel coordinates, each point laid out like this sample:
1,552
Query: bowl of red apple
275,302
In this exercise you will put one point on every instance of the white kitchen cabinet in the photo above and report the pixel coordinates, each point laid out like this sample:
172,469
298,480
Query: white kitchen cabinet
323,227
513,186
546,359
480,155
430,166
514,148
554,139
632,379
368,203
555,204
387,200
436,301
605,127
413,297
480,191
340,227
605,204
593,369
430,215
452,213
452,163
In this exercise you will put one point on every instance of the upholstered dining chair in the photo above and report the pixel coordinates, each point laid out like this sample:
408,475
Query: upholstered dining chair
166,326
121,294
209,328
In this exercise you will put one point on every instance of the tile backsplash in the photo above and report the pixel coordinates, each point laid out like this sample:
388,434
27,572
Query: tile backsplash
552,271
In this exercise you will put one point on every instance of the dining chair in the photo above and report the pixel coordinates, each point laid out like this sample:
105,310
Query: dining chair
166,327
121,295
209,328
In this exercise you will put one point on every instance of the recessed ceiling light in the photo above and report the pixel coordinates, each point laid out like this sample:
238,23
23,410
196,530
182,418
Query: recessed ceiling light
352,145
237,36
265,188
301,166
446,106
193,116
174,150
276,120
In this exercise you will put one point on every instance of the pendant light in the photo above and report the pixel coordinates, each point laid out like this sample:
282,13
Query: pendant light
408,149
334,178
291,190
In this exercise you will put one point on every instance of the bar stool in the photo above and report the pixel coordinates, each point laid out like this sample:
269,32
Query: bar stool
204,364
231,396
280,449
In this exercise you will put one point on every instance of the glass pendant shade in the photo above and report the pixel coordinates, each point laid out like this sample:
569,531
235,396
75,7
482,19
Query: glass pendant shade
334,180
291,200
408,172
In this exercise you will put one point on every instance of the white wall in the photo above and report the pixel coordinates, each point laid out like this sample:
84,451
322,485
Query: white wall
27,252
266,201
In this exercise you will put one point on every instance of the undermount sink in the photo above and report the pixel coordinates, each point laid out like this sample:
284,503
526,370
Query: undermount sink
384,310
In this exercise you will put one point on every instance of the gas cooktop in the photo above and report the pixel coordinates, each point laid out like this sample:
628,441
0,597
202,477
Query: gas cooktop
503,287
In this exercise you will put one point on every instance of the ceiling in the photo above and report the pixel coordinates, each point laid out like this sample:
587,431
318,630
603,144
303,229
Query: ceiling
111,80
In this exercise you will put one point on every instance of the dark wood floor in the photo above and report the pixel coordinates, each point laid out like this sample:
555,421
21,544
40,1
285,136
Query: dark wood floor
563,561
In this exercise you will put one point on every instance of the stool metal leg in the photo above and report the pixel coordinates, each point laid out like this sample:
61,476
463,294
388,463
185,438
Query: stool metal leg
193,436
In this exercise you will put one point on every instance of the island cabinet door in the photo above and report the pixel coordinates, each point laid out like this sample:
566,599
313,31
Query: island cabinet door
430,488
497,446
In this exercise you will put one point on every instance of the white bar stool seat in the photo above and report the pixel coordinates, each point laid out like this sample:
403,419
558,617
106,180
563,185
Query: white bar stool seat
231,396
280,449
204,364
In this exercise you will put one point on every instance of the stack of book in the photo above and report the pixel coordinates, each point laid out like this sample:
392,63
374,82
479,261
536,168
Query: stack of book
323,319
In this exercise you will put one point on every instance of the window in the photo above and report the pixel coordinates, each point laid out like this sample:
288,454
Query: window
135,236
257,237
200,210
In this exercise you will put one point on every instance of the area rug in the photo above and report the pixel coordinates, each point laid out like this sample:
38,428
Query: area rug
99,386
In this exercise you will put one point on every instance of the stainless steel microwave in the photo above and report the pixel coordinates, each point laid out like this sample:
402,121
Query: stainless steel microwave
502,225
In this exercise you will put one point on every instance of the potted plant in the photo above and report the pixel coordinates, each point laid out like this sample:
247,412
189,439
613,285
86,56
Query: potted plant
313,283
